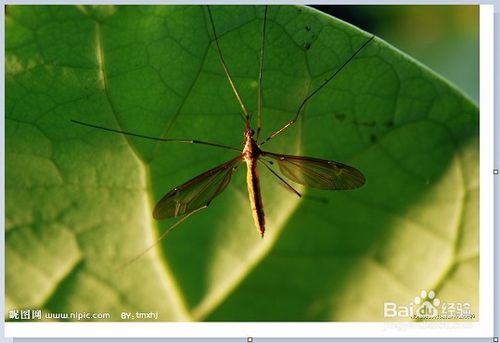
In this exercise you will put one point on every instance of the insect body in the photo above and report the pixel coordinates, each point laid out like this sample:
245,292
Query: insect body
197,193
251,154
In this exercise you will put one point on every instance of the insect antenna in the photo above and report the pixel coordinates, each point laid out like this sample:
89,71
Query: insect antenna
307,98
245,115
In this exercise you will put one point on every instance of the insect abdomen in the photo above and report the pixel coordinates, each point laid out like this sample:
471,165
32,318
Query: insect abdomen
255,196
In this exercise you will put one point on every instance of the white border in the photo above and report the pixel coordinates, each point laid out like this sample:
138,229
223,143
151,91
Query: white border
486,165
482,328
250,329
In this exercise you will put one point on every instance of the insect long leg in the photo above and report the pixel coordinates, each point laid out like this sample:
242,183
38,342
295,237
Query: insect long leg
281,180
261,66
303,103
289,187
173,226
173,140
245,114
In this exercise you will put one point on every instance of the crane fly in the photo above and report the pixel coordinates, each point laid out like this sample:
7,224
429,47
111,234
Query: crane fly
197,193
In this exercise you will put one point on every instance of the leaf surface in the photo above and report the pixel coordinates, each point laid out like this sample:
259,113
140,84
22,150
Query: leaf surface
79,201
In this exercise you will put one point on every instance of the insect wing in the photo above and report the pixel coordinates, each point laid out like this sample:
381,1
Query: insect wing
197,192
318,173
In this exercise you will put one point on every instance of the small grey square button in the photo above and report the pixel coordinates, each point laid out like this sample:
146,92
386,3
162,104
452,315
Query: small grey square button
495,339
250,339
495,171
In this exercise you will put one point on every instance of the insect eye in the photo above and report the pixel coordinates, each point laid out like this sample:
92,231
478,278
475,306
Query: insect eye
252,132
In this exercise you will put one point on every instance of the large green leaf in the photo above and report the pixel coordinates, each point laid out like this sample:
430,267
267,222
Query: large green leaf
79,200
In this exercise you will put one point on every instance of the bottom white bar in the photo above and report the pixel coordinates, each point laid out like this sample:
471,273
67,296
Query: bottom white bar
231,330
